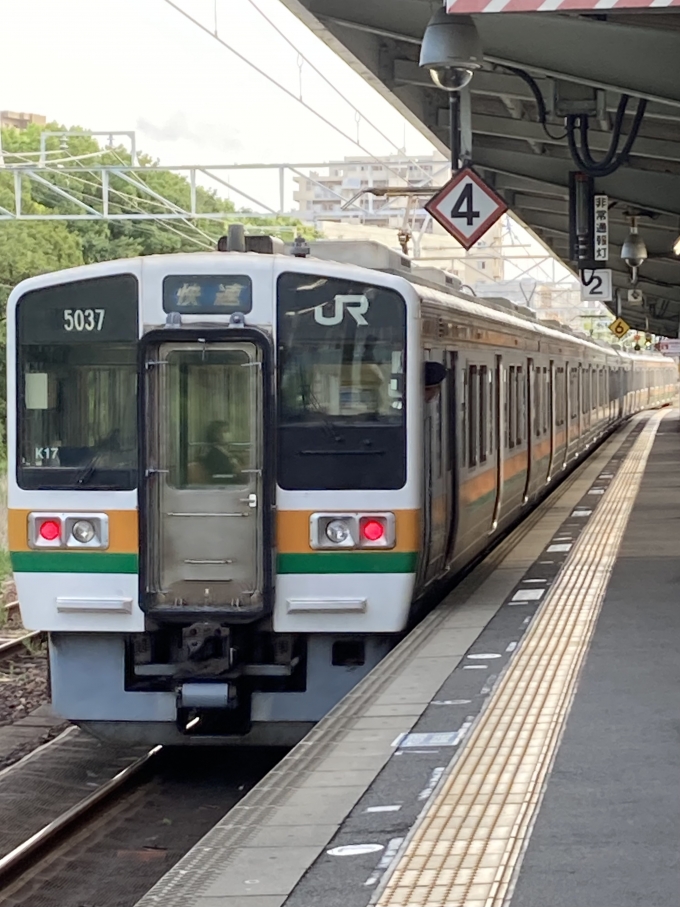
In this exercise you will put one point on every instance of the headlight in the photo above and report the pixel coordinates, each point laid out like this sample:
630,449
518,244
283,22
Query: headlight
337,531
83,531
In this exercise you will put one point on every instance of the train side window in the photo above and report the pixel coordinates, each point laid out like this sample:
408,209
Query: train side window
573,393
510,409
585,391
559,397
464,406
473,415
585,396
492,409
538,402
593,389
520,398
483,412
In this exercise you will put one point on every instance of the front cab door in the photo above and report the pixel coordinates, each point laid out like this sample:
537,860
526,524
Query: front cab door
206,512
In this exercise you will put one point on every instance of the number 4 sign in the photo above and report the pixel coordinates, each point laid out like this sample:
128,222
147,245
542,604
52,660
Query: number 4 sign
466,207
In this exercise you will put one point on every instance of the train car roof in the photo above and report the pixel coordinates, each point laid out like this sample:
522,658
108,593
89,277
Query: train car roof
369,258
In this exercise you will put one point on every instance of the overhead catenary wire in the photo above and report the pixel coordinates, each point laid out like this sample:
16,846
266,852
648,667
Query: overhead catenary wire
333,87
134,201
286,91
28,155
134,179
126,196
155,204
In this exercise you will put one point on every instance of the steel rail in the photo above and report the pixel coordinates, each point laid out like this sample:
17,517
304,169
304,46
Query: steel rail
8,646
51,833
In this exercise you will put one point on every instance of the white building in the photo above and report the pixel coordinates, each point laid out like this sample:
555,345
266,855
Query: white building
437,250
321,195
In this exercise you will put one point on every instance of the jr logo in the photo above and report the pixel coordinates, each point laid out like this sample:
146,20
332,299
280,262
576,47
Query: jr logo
357,306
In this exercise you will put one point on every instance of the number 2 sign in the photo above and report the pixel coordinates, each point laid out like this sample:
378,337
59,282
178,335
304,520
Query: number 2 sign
466,207
596,284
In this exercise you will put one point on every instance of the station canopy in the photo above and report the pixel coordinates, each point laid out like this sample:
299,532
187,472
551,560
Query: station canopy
618,47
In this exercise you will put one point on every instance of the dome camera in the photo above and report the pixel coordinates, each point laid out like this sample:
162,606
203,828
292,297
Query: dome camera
634,250
451,50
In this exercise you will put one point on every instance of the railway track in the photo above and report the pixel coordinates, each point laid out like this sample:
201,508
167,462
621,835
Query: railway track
52,835
14,641
111,843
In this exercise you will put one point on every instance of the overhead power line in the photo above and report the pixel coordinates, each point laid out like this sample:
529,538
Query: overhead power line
283,88
333,87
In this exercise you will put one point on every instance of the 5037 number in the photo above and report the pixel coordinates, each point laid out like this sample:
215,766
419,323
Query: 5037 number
81,320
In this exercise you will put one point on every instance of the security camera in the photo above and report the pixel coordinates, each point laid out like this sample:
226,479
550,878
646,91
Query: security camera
451,50
634,250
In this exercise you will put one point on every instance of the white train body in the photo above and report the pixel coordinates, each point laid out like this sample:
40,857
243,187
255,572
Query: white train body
233,481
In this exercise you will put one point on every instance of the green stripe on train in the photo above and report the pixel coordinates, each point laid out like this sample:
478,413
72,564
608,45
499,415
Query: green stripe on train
348,562
73,562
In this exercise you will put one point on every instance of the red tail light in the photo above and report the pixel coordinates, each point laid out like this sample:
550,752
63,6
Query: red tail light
372,530
50,530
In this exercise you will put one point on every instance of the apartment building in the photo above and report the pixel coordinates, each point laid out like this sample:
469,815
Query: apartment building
21,120
321,195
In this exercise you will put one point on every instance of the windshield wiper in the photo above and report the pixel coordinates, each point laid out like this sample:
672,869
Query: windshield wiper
329,426
86,472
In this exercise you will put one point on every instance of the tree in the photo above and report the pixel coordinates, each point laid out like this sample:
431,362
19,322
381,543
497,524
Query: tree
28,248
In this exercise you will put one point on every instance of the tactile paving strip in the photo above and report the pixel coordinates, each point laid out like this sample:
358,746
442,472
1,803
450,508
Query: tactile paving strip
465,850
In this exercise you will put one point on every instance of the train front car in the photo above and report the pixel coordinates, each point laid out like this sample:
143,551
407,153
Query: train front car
213,488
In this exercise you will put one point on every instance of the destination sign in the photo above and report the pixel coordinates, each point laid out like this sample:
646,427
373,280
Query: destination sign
206,294
101,310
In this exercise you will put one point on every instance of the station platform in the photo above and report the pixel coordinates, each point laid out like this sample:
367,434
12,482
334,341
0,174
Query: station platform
521,747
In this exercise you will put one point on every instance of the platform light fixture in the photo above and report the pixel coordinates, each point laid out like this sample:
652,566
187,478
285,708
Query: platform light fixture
676,246
451,50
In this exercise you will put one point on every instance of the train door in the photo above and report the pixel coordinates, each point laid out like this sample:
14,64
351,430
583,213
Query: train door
529,416
206,515
454,466
437,476
579,407
499,437
584,414
550,403
568,391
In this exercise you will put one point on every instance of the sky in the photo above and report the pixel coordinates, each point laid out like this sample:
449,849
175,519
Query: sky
140,65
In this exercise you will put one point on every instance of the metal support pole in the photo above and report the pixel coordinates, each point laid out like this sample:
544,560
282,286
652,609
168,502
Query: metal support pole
465,125
454,130
105,193
17,192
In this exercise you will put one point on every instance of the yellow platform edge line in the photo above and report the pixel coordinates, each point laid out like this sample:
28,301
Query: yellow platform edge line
466,849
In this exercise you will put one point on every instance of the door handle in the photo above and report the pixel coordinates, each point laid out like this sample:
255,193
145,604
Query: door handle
251,500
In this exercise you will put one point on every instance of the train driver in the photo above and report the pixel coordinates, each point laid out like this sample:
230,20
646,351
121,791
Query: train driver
220,466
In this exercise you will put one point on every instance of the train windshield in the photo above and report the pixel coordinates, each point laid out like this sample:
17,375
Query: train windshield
341,363
77,385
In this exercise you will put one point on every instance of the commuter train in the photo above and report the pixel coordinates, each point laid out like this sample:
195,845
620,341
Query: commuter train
236,477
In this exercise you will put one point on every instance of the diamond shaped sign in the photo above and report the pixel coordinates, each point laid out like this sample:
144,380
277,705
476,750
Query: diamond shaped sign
466,207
